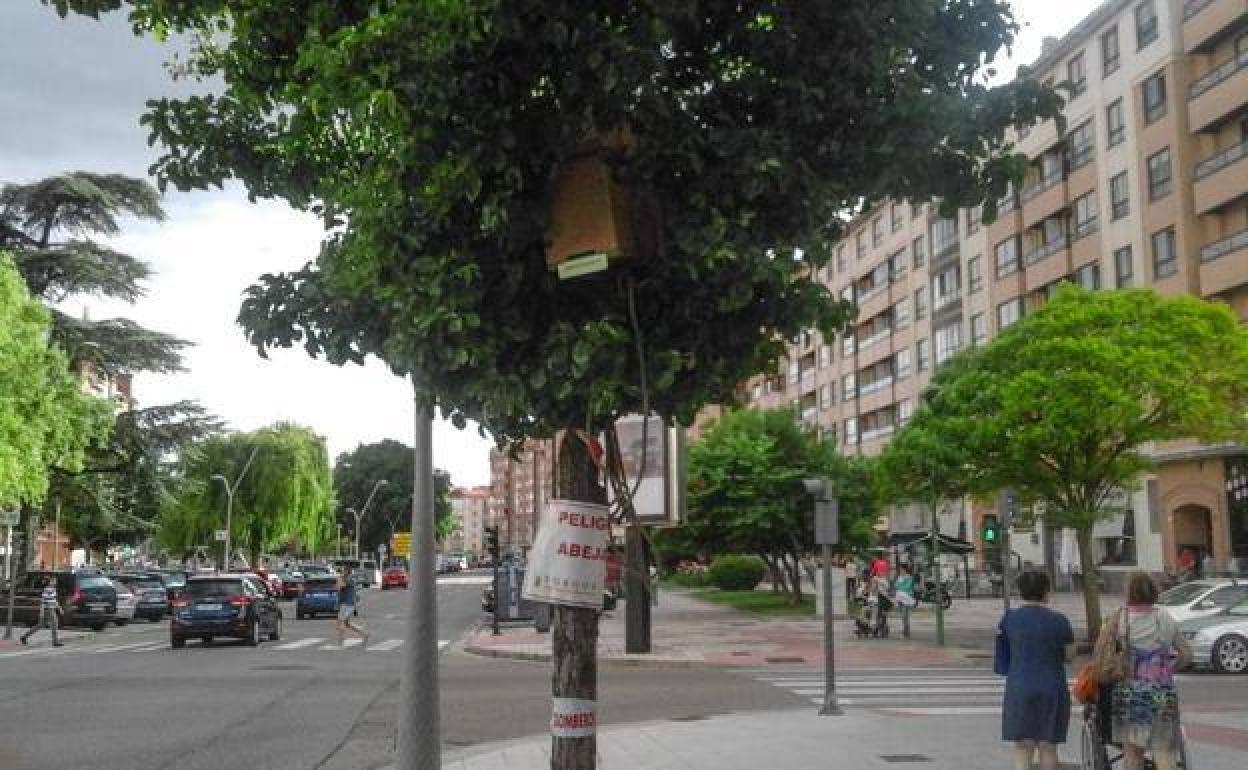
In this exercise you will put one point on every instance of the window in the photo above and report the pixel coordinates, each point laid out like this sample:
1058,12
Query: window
795,372
920,253
1110,56
825,355
1007,257
902,363
974,274
1119,196
851,431
974,215
1009,312
756,392
896,218
944,236
897,265
948,341
842,264
1154,93
901,314
848,344
1077,74
1146,28
946,287
905,410
1159,175
920,304
923,353
1085,215
1115,124
862,245
979,329
849,386
827,396
1088,277
877,231
1082,145
1124,270
1165,258
916,210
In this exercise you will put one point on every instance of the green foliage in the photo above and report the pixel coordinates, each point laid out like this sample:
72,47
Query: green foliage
759,602
284,502
45,418
689,576
427,135
355,473
732,572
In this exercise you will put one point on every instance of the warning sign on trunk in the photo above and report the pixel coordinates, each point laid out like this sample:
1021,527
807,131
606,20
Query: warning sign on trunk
567,564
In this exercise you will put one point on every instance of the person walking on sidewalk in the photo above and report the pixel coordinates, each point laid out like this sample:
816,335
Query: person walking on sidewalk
903,592
49,613
347,599
1146,704
1036,643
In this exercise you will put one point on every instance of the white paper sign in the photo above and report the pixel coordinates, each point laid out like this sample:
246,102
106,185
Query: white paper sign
572,718
567,564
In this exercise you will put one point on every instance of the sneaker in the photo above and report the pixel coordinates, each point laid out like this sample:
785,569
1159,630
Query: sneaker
24,640
58,644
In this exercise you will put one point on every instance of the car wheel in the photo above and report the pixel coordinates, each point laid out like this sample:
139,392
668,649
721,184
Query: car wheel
98,626
300,616
277,630
177,642
156,619
1230,654
207,640
121,622
253,638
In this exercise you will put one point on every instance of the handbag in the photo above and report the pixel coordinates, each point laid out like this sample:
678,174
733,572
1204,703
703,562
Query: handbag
1086,689
1112,655
1001,652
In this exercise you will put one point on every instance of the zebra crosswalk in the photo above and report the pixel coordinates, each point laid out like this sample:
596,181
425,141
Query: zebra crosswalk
900,691
306,645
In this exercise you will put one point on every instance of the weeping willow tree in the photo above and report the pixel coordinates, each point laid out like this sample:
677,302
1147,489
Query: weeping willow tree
283,502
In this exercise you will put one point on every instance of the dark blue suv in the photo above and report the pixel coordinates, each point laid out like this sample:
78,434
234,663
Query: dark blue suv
232,606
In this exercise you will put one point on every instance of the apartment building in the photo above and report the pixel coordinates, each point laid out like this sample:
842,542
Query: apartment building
1148,187
469,509
519,489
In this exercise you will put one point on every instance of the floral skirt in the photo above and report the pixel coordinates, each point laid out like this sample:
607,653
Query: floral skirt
1146,714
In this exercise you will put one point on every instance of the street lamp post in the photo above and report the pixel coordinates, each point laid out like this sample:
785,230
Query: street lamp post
359,515
230,489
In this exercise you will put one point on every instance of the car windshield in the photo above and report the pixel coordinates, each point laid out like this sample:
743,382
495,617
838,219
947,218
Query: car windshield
205,588
174,581
316,571
95,581
1182,594
321,584
145,583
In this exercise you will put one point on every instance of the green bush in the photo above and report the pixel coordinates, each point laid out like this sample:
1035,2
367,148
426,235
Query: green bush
737,573
689,575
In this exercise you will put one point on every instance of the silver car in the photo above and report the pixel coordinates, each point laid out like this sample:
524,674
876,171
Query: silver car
127,603
1220,641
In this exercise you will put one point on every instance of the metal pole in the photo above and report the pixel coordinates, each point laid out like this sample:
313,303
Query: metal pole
229,515
936,574
419,744
1007,569
830,705
498,600
56,538
8,575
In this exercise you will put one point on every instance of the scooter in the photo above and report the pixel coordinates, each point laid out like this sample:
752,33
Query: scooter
927,593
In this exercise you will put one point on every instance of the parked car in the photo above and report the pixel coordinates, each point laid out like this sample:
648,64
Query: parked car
127,602
319,597
236,606
174,580
289,583
1220,641
394,577
316,571
1202,598
149,589
87,598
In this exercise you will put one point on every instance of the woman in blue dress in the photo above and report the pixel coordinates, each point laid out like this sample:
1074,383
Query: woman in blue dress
1039,643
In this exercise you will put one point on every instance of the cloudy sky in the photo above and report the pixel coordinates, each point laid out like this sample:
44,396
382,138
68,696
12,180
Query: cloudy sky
71,92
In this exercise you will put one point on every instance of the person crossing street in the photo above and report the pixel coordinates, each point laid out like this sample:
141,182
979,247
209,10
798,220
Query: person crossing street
49,614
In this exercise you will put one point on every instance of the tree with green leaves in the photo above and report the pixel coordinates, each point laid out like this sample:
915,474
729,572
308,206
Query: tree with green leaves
429,138
355,474
283,504
1063,405
746,494
46,420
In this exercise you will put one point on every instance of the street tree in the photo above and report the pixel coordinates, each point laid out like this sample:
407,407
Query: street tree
355,474
283,504
429,137
746,494
1063,405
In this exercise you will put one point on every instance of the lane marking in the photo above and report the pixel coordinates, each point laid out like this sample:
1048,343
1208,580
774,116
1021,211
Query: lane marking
389,644
346,644
300,643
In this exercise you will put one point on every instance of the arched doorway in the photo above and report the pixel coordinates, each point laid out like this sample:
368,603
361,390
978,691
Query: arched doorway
1193,528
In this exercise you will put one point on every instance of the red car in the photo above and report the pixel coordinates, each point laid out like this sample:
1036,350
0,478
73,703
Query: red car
394,577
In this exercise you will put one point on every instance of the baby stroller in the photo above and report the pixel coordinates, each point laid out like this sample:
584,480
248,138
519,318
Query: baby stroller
1097,749
871,616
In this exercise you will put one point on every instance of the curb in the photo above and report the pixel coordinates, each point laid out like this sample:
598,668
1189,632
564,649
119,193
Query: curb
603,662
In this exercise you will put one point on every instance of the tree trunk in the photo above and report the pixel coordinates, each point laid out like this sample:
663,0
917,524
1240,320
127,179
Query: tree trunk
637,592
778,583
1091,583
574,638
794,569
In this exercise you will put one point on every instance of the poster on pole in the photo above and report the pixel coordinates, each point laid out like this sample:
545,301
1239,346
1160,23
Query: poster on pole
567,563
654,457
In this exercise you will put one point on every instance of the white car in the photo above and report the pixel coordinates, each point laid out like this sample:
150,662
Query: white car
127,603
1220,641
1202,598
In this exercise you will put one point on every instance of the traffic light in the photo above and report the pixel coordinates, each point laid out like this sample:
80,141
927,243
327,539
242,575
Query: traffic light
991,531
491,543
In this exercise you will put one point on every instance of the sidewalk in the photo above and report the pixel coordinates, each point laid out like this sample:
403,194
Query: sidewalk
689,632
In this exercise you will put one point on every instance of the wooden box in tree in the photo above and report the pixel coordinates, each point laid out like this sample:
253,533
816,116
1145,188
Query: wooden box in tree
591,215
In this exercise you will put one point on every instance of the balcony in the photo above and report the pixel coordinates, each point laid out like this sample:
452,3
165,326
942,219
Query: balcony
1048,263
873,339
1220,179
1043,198
1047,250
1218,93
870,435
1218,271
1205,21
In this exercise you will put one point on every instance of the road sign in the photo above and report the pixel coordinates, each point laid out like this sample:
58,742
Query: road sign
219,535
9,518
401,543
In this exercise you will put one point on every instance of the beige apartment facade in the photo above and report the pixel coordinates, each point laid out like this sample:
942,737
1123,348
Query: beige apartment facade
520,485
1148,187
469,510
